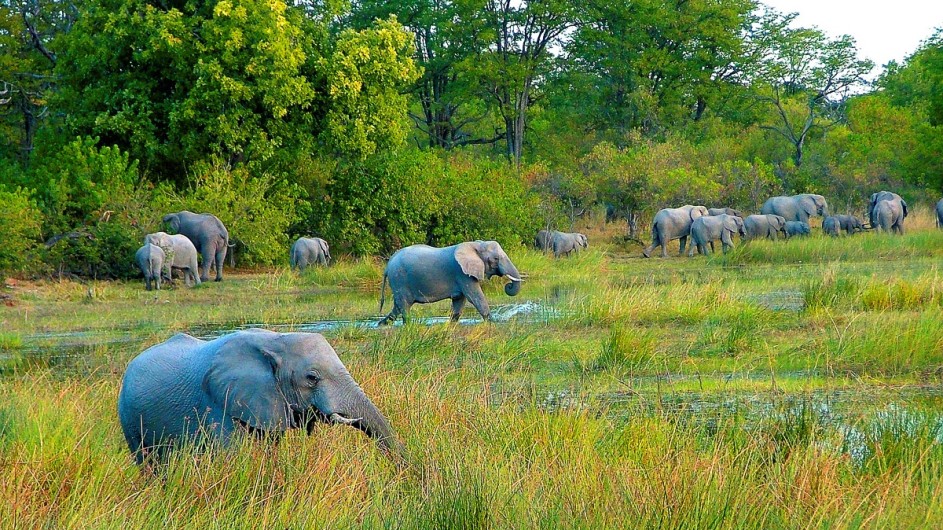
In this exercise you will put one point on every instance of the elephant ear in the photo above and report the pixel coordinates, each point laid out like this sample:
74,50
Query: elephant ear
467,257
323,244
695,213
809,207
242,381
903,204
173,220
731,224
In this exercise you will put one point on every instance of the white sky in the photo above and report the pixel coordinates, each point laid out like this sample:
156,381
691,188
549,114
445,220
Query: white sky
883,30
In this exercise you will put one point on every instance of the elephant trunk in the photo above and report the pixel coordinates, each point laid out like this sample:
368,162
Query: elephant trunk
374,424
509,270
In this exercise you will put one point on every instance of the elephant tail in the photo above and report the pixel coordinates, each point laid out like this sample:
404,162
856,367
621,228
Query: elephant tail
383,291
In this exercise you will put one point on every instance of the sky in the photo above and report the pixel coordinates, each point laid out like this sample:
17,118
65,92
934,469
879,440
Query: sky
883,30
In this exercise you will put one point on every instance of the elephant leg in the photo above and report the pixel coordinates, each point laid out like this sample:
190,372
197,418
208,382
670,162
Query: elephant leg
691,250
147,283
712,246
207,252
157,281
684,241
220,258
477,298
458,303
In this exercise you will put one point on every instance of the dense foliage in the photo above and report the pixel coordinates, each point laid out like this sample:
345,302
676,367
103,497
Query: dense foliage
379,124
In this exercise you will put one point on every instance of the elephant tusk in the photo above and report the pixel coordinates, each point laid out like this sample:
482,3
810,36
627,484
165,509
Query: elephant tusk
513,279
337,418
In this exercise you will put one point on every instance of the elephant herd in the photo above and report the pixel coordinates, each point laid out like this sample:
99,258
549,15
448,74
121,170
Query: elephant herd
787,216
196,235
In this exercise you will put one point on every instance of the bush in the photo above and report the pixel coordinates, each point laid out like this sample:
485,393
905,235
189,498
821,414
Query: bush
103,251
20,223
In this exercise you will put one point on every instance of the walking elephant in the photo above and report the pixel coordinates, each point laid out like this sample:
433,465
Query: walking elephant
565,242
766,225
889,216
727,211
706,230
208,235
796,207
831,227
673,223
849,223
150,258
309,250
179,254
797,228
423,274
899,210
258,381
939,213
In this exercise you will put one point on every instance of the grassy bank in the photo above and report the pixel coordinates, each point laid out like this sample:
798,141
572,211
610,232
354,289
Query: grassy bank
789,384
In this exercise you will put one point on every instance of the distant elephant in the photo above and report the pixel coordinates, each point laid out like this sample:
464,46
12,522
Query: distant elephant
831,226
423,274
900,209
725,211
939,214
889,216
764,226
179,254
796,207
258,381
566,242
543,241
797,228
673,223
208,234
150,259
849,223
705,230
309,250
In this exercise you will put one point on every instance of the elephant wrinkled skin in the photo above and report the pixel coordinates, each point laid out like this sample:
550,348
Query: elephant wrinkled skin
208,235
796,207
309,250
764,226
706,230
150,258
673,223
423,274
187,389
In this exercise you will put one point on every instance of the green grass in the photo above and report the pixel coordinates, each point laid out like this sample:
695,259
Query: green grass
785,385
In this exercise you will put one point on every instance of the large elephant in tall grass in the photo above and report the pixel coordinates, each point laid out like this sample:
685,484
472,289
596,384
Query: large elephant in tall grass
893,216
209,236
796,207
670,224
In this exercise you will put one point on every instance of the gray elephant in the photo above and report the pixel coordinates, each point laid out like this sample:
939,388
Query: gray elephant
150,259
208,235
724,211
849,223
766,225
673,223
831,227
797,228
899,210
179,254
939,213
543,241
187,389
706,230
423,274
796,207
566,242
309,250
889,216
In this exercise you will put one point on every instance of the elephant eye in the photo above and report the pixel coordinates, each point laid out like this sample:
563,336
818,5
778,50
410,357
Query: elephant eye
312,377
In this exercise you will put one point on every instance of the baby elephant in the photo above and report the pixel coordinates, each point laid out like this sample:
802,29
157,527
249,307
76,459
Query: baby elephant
565,242
309,250
179,253
849,223
797,228
251,381
151,260
764,226
706,230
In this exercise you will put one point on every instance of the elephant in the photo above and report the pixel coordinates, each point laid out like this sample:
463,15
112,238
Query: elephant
543,241
939,213
150,258
180,254
889,216
764,226
900,209
706,230
309,250
727,211
191,390
831,226
566,242
208,234
797,228
796,207
673,223
423,274
849,223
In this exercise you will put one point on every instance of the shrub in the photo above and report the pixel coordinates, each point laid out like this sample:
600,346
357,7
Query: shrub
20,223
104,250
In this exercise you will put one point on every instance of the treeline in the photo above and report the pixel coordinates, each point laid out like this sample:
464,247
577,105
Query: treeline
377,124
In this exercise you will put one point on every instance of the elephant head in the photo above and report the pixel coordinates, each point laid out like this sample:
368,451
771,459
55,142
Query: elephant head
483,259
735,225
172,221
778,223
698,211
160,239
582,240
273,382
813,204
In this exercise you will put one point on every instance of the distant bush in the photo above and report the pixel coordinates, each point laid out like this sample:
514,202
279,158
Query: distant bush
20,223
104,250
